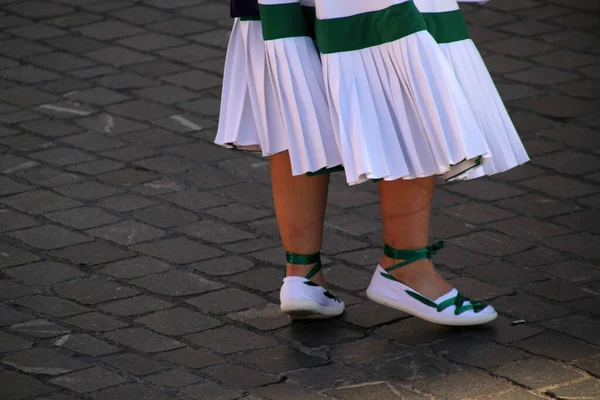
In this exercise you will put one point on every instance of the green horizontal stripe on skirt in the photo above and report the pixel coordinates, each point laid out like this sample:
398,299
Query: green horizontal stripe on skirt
447,27
287,20
369,29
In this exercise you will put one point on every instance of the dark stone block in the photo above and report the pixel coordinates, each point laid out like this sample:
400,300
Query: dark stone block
238,340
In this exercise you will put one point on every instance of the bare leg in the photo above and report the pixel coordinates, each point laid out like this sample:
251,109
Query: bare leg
405,210
300,203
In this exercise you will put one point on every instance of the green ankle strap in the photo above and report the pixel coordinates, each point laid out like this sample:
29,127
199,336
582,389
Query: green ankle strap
300,259
410,256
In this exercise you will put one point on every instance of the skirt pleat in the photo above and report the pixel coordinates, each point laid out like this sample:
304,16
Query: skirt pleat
399,112
237,123
489,110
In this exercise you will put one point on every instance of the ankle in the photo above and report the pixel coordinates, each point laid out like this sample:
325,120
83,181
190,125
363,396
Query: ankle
303,270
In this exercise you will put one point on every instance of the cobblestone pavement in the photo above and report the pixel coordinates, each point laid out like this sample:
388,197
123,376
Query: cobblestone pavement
140,261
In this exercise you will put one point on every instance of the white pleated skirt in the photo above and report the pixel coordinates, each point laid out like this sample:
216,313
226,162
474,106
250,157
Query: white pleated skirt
403,109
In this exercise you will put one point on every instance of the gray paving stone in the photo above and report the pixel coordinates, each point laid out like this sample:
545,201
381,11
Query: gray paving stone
36,31
49,177
135,305
20,48
194,80
195,200
536,373
91,141
382,391
461,384
127,233
476,213
135,268
25,142
128,177
572,270
140,15
224,266
10,316
167,94
178,251
261,279
118,56
82,218
127,80
131,391
96,167
477,352
558,290
583,389
214,232
44,362
165,164
369,314
178,321
51,305
158,187
505,274
24,96
11,187
94,291
40,328
114,124
348,278
143,340
62,156
20,387
108,30
134,364
166,217
12,220
50,128
367,351
75,19
157,68
10,343
492,243
177,283
557,346
174,378
266,316
276,360
225,301
88,190
28,74
317,334
11,256
126,202
89,380
140,109
239,340
49,237
96,322
192,358
85,344
12,290
582,327
237,376
580,244
39,9
98,252
528,307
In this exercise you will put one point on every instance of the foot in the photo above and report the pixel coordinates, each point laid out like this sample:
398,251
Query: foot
303,298
415,287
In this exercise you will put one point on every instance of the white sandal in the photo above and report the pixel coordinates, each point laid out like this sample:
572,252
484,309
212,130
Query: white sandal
451,308
303,299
